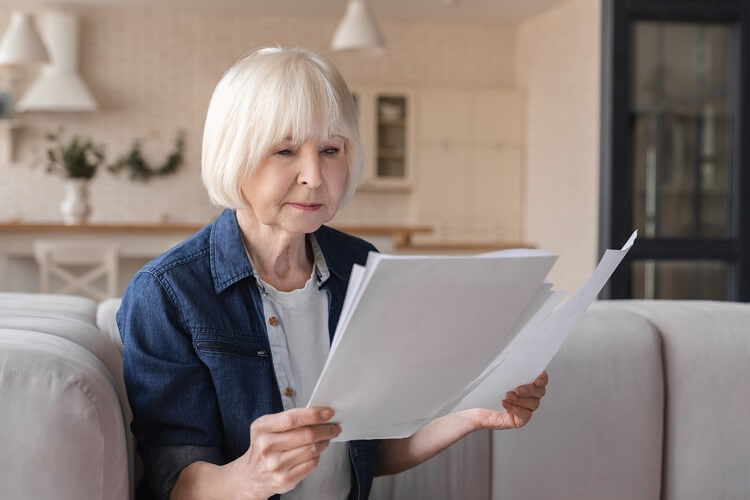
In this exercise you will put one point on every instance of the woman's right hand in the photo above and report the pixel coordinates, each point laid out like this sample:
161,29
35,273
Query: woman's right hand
284,448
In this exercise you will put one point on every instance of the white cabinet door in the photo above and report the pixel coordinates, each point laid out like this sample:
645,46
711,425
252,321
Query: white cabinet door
469,168
441,194
445,117
497,117
496,189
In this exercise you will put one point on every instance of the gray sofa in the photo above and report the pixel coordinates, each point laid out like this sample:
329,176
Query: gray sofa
647,400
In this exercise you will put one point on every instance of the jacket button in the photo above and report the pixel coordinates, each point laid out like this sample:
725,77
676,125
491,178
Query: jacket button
273,321
289,392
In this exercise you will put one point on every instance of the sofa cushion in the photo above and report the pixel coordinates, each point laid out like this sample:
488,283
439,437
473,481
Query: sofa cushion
49,305
598,433
707,371
84,334
105,320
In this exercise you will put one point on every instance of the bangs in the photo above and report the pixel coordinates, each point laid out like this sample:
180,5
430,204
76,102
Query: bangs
299,103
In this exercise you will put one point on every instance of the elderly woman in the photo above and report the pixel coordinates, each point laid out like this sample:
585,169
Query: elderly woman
226,334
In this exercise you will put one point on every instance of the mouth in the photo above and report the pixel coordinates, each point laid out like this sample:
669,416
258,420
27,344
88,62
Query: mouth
307,207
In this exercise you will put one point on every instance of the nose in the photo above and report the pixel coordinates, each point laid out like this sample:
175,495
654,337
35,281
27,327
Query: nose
310,173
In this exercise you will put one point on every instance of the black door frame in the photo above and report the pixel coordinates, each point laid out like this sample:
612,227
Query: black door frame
616,176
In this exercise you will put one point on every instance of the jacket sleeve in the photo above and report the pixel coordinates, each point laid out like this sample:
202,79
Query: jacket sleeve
175,412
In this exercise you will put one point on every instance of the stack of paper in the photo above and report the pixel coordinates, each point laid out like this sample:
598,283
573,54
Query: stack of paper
420,337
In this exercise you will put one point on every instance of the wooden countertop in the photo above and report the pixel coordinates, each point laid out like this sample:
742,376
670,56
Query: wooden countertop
401,234
176,227
468,247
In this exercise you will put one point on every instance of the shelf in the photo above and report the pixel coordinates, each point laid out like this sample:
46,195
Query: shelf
391,154
679,113
391,123
687,193
396,184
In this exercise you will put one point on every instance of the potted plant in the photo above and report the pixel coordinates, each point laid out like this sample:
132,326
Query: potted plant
77,161
140,170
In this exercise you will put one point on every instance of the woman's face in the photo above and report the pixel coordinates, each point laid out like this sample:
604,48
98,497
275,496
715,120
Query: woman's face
298,187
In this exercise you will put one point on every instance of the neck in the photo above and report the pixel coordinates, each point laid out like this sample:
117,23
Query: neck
280,258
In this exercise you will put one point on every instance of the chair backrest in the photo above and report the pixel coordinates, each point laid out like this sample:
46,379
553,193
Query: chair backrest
79,266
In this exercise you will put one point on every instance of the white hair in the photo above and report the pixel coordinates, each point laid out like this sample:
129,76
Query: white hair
265,97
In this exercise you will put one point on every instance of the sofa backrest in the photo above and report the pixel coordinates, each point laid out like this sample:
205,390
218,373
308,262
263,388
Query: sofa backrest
599,431
646,400
61,427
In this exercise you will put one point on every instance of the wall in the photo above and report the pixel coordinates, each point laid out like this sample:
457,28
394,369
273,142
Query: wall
153,72
558,66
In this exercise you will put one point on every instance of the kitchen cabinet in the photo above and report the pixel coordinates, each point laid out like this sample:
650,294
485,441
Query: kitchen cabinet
387,129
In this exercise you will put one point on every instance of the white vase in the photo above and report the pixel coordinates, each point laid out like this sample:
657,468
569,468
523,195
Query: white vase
75,206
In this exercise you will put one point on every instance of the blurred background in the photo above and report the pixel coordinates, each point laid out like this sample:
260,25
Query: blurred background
487,124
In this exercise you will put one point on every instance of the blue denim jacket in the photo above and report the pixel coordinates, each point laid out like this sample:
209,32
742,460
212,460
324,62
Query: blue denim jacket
197,361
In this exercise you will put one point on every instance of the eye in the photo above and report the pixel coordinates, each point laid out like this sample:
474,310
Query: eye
331,151
285,152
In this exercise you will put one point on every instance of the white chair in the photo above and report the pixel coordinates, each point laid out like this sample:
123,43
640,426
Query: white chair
79,266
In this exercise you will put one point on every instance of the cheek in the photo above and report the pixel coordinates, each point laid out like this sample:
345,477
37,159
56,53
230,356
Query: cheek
337,181
271,183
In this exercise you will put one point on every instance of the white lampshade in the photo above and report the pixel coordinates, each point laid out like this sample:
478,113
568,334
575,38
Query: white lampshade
21,43
57,91
358,30
59,87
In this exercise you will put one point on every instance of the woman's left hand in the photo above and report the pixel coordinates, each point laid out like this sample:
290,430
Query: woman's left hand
397,455
519,406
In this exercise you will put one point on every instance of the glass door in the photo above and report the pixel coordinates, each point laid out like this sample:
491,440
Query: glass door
672,167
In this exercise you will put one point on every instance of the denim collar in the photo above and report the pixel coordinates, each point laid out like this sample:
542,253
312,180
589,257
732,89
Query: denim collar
230,264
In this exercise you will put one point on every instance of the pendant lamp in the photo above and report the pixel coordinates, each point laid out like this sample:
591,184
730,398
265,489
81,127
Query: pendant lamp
21,43
59,87
358,30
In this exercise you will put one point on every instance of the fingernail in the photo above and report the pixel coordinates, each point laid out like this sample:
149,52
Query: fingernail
512,396
327,413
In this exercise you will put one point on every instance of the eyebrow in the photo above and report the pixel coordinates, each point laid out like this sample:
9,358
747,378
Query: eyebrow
337,136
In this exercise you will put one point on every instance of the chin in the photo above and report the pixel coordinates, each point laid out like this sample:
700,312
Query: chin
304,226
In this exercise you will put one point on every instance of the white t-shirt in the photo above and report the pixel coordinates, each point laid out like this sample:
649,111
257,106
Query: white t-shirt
297,325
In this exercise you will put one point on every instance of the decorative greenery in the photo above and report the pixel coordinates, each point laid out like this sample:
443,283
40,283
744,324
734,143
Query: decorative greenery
139,170
77,159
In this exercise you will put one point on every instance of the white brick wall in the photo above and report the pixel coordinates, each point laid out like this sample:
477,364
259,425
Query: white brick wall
559,73
153,71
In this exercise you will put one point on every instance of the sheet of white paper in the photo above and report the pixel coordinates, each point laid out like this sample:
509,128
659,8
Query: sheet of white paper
358,280
414,336
517,252
488,392
533,348
352,291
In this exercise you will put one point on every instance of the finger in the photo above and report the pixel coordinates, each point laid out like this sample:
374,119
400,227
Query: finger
291,419
522,415
528,403
304,436
291,458
542,380
288,479
531,390
300,471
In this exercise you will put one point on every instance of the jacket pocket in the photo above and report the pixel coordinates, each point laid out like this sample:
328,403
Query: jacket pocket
252,347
